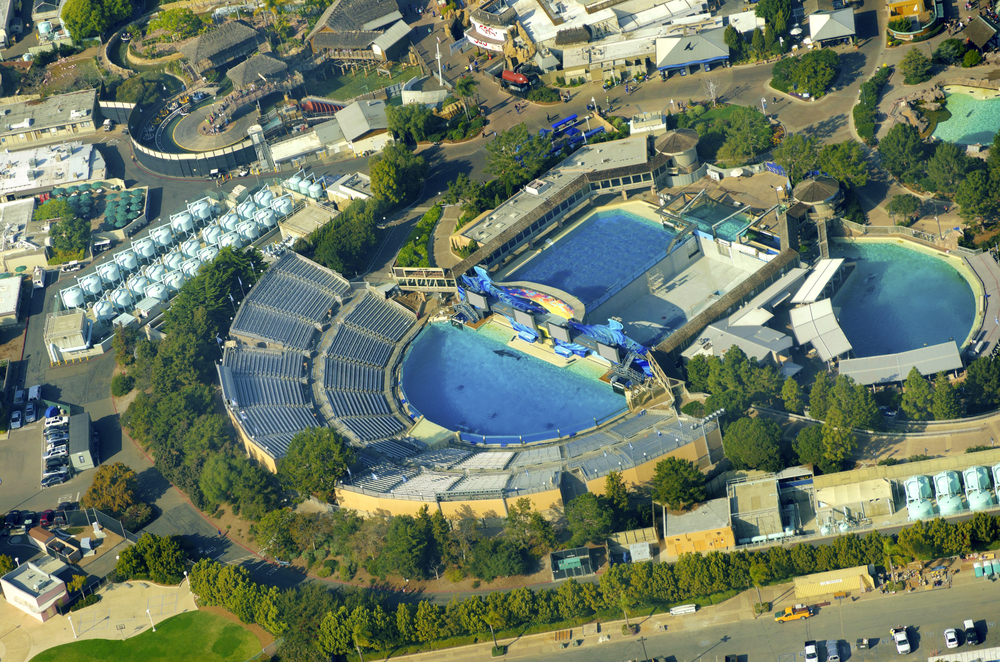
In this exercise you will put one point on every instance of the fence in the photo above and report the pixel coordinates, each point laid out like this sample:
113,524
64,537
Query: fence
883,230
267,652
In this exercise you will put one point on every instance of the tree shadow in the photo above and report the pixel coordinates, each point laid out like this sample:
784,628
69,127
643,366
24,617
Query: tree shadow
151,485
852,65
825,129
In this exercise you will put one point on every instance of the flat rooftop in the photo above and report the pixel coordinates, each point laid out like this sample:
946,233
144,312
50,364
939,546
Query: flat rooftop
48,112
36,577
49,166
10,290
712,514
307,220
594,54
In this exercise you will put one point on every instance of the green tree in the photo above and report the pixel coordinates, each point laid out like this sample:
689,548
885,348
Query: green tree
760,574
180,23
6,564
819,396
757,41
949,51
678,483
112,490
139,90
734,40
915,67
156,558
123,343
589,518
809,448
797,154
905,206
335,632
748,134
698,369
918,398
495,557
772,10
616,495
753,443
315,461
397,174
977,197
428,622
856,403
947,401
971,59
792,397
515,157
902,152
83,18
71,234
527,529
838,437
413,122
982,385
948,166
846,162
465,89
816,71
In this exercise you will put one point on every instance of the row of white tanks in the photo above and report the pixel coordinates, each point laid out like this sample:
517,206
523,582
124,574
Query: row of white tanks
304,184
157,266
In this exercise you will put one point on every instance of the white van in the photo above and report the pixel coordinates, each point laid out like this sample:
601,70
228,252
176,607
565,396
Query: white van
34,393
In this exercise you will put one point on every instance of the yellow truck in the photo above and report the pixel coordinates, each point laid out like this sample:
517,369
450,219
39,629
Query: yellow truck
794,613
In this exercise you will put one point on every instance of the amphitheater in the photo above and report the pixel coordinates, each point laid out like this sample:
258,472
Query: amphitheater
309,348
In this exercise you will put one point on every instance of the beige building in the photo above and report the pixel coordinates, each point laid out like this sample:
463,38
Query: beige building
35,589
703,529
858,578
51,119
10,300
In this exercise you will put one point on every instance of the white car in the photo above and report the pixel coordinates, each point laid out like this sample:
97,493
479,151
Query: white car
55,452
15,419
951,638
899,636
811,654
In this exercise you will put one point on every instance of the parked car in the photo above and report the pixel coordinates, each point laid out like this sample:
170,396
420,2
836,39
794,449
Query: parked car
898,635
55,452
28,519
54,480
12,519
18,396
29,413
57,421
15,419
833,650
55,433
59,436
951,638
46,518
61,471
811,654
971,635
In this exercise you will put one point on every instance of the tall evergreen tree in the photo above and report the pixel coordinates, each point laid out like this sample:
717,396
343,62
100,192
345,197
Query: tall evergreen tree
947,403
917,397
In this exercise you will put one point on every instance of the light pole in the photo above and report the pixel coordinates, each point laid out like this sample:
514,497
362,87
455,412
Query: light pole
185,577
17,561
151,620
75,636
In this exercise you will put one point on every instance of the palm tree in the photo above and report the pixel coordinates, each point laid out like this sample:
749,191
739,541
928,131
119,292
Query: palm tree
465,88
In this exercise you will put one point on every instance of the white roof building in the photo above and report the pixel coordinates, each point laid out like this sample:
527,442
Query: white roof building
42,168
35,589
828,25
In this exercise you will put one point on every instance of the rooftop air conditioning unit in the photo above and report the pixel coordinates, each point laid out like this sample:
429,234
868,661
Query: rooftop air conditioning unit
536,187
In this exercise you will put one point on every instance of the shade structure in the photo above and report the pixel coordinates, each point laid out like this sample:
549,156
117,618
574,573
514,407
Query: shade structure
111,196
20,269
121,214
5,274
136,206
58,190
83,187
71,189
120,224
99,185
132,215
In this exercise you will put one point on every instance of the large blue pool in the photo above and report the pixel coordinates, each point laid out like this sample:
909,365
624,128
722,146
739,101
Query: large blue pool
901,299
606,250
472,382
972,120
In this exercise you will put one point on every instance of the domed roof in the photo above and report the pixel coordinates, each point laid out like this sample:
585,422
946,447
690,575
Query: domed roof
677,141
816,189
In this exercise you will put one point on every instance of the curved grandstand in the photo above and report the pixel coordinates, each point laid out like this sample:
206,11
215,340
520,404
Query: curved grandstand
309,348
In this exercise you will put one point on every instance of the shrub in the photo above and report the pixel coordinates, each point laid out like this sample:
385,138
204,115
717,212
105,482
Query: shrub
137,516
971,59
543,95
976,449
121,384
454,575
560,81
324,572
86,602
348,570
476,584
888,462
414,251
918,458
865,112
696,409
761,608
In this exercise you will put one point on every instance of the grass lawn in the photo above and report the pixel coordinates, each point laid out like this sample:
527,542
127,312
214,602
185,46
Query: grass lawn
192,637
348,86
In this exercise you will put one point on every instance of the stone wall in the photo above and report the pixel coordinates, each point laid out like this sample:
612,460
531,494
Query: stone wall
135,60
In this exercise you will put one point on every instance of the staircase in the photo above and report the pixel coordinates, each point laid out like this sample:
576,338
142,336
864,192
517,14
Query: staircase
470,311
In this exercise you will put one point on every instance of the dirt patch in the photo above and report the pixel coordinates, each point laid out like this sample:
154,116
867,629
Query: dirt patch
70,73
263,636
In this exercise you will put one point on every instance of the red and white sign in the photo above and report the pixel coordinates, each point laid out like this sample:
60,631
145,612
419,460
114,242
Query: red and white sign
484,44
488,31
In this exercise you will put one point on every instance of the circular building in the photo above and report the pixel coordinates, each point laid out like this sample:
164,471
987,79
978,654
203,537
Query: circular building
821,193
681,145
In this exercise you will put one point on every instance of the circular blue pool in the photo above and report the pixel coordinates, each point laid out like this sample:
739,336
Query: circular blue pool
900,299
467,381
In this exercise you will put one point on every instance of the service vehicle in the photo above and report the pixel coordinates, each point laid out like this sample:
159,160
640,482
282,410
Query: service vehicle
812,655
971,635
898,635
108,125
795,613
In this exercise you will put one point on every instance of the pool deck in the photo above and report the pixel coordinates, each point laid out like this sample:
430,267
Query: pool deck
977,93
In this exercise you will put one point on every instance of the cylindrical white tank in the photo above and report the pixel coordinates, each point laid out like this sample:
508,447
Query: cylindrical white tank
191,267
158,291
229,221
190,247
173,261
263,197
265,218
155,272
208,254
316,191
72,297
304,186
110,272
137,285
91,284
145,248
122,298
127,261
201,209
246,209
44,27
175,280
282,205
104,311
232,240
212,234
248,230
182,222
293,183
162,236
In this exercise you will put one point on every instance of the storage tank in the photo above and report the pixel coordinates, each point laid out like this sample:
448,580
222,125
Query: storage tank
316,191
232,240
163,236
155,273
292,184
191,267
137,285
182,222
173,261
201,209
175,280
91,284
127,261
158,291
44,27
248,230
282,205
304,186
229,221
104,311
122,298
246,209
190,248
265,218
263,197
145,248
72,297
110,272
207,254
212,234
